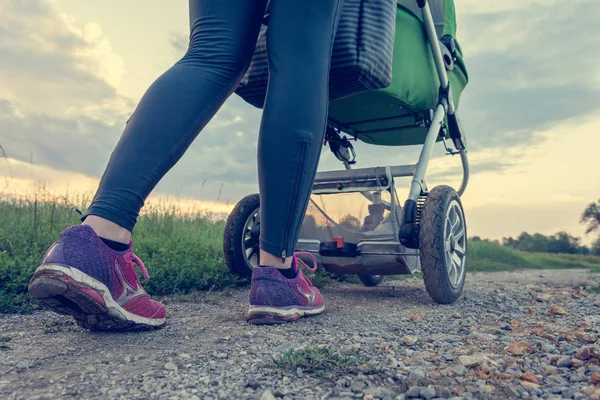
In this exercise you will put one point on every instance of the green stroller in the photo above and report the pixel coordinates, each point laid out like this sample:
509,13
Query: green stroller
426,234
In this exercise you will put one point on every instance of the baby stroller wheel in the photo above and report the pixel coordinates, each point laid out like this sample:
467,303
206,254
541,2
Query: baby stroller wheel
443,245
370,280
241,237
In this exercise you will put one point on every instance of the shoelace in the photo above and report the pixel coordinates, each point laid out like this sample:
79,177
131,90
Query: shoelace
297,260
132,258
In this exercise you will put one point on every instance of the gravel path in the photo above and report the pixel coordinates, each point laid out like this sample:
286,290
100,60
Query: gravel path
531,334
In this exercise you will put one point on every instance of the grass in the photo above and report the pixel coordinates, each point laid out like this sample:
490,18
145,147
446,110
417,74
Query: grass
183,251
491,257
324,361
4,339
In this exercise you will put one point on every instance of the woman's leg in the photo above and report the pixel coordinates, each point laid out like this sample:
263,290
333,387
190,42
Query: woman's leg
175,109
94,279
299,44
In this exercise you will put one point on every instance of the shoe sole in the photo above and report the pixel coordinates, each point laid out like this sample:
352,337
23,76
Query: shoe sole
262,315
69,291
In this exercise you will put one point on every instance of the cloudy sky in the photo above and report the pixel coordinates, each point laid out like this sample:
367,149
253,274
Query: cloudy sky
71,72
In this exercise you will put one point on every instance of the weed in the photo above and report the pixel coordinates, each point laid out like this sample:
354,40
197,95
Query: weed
324,361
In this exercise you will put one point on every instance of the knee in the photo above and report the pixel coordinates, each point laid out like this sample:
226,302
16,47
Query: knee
219,56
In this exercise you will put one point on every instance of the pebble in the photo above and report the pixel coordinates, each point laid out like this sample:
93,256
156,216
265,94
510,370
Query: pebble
557,310
584,353
416,376
564,362
520,348
170,366
557,380
530,377
409,340
472,361
427,393
267,395
510,391
442,392
413,392
357,386
253,383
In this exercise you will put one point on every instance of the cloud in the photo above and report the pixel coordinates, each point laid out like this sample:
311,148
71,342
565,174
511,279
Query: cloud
79,144
532,66
51,65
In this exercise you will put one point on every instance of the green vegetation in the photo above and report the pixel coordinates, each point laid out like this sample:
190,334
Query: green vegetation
183,252
325,361
486,256
561,242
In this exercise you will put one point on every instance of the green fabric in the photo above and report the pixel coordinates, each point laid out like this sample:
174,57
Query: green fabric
390,116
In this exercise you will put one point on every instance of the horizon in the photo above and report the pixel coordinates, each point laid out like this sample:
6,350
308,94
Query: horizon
72,72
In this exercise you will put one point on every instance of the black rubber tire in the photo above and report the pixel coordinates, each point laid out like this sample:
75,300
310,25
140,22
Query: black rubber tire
371,280
234,254
431,245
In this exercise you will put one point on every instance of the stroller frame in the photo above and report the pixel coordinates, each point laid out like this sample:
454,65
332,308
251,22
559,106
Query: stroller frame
377,179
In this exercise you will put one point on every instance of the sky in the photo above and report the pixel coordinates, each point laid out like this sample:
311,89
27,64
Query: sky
72,71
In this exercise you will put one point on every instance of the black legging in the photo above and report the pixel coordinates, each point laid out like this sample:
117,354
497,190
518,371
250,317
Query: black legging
180,103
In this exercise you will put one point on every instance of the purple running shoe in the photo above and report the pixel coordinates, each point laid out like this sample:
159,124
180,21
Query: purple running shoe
99,287
275,299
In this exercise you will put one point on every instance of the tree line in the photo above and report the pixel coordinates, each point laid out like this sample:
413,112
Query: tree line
561,242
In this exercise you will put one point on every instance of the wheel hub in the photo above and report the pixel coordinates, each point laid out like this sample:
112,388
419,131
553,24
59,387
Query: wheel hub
250,240
455,243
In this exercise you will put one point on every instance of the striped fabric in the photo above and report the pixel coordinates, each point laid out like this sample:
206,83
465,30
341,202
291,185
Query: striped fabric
361,58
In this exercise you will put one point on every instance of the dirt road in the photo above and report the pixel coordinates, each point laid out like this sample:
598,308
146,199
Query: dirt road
512,335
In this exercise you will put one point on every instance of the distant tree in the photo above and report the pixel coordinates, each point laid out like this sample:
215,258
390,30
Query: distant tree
540,243
562,242
509,242
526,242
595,249
476,239
591,217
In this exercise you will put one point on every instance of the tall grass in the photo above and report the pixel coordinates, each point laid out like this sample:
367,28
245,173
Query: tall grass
183,252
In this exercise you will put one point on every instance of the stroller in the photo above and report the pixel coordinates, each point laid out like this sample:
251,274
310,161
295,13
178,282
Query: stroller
428,233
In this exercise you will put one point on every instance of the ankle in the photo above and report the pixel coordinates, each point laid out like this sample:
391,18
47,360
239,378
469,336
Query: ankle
274,261
108,230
